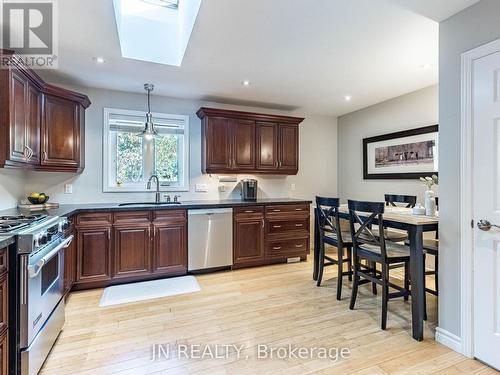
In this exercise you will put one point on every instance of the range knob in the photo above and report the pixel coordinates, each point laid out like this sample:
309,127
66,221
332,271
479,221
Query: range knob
43,239
63,225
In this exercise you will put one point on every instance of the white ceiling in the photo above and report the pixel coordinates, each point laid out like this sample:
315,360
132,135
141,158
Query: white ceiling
304,55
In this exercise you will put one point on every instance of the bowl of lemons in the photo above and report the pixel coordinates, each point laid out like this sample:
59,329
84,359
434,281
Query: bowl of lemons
38,198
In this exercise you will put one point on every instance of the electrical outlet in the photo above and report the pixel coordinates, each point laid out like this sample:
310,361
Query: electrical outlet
292,187
68,188
201,188
222,188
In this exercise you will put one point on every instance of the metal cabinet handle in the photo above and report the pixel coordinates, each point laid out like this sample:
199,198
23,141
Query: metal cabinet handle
298,209
299,246
276,210
262,223
276,226
277,248
299,225
485,225
248,211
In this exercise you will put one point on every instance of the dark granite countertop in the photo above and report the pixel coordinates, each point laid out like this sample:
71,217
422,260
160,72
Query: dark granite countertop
6,241
71,209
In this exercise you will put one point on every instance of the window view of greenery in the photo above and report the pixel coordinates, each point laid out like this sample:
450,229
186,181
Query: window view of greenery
167,157
129,160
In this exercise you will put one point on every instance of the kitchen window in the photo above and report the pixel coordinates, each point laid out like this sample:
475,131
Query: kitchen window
130,159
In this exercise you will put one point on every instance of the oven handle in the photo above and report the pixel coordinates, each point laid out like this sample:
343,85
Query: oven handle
33,271
23,286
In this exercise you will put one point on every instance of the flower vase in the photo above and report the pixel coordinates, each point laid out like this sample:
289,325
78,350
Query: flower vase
430,203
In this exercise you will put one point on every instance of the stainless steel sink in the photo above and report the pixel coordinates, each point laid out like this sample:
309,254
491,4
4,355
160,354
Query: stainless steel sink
148,204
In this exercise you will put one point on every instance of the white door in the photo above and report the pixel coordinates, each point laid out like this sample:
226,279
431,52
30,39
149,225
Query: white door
486,185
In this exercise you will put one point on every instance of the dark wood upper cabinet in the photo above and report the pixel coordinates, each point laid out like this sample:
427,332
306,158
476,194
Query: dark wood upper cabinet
245,142
42,126
267,146
288,145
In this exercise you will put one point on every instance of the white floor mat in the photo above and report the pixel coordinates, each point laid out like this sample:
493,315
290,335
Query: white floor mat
118,294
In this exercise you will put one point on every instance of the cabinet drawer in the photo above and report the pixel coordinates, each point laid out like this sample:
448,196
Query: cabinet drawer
289,209
132,217
287,248
169,215
4,300
250,212
96,218
4,263
280,226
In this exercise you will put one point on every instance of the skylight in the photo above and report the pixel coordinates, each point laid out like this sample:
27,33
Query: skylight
155,30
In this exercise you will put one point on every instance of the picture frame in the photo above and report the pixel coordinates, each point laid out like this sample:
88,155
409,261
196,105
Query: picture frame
408,154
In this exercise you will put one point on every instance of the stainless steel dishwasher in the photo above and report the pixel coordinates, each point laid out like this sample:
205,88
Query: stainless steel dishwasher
210,243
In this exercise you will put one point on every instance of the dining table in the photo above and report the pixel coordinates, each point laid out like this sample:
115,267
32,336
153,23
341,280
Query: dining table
415,225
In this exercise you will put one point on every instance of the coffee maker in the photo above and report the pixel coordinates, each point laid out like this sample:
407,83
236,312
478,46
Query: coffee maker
248,190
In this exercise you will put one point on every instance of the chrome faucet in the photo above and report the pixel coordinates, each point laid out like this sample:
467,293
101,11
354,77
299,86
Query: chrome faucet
157,195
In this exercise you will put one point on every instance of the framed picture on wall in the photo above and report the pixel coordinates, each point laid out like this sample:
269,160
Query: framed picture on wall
408,154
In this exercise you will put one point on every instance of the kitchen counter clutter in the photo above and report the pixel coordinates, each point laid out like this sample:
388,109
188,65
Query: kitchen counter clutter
72,209
115,244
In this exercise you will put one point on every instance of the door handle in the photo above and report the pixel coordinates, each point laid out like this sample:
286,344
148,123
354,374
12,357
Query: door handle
485,225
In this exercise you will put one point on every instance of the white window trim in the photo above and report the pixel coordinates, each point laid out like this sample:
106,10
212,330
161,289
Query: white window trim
106,157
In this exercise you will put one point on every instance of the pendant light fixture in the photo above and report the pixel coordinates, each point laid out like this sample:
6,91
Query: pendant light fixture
149,131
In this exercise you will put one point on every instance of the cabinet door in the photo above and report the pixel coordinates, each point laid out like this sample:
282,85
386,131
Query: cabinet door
132,246
170,248
218,144
243,145
60,133
33,123
4,303
248,247
4,353
69,265
18,117
288,148
93,254
267,146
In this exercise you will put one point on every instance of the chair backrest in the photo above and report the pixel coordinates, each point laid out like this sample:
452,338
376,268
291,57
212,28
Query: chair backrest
362,216
392,199
327,217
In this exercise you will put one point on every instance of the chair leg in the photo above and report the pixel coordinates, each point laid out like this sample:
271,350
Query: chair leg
436,275
355,283
385,294
425,293
349,262
373,266
340,268
407,279
321,263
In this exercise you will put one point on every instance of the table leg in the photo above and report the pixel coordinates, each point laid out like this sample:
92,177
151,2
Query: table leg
316,247
417,285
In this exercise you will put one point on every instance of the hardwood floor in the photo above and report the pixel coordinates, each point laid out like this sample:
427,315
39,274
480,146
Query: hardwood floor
274,305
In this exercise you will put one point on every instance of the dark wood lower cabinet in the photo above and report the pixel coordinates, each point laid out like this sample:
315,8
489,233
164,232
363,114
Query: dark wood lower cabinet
4,312
93,254
169,248
130,246
132,250
271,234
4,353
248,241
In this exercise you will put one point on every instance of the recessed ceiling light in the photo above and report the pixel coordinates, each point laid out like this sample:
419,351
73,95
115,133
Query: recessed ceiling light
99,60
426,66
245,83
347,98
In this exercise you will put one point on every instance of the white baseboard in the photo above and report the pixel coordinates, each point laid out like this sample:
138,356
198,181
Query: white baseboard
449,339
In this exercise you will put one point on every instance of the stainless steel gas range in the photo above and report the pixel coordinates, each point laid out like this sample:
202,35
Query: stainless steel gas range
36,287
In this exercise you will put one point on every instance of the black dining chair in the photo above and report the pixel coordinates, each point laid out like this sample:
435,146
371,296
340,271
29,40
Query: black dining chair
431,247
331,233
376,250
393,200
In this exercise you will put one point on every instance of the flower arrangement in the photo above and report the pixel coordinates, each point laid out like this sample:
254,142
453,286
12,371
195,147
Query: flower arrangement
430,181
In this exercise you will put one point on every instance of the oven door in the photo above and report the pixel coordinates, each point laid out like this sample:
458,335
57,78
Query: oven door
42,287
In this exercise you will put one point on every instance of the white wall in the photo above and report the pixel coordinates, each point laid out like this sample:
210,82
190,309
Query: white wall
11,187
417,109
317,169
464,31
